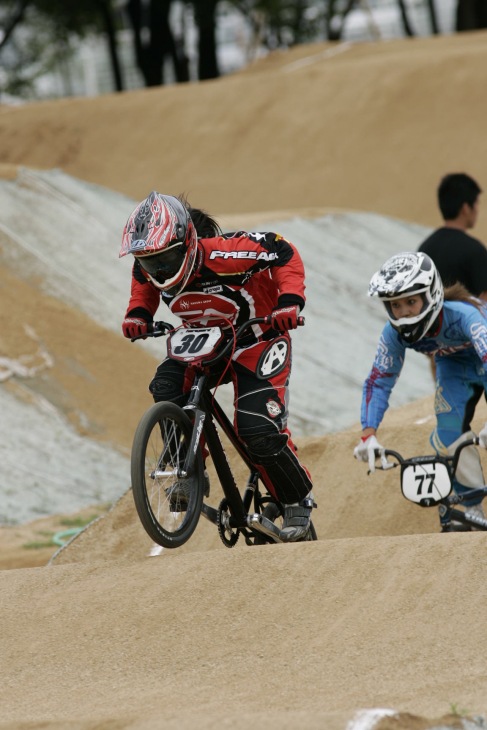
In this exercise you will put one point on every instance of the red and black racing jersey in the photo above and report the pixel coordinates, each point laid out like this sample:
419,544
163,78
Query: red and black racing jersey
237,276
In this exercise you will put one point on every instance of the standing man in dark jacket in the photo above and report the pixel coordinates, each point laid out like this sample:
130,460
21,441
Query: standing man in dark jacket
458,256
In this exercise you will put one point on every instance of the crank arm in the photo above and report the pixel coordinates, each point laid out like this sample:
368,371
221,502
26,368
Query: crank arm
262,524
210,513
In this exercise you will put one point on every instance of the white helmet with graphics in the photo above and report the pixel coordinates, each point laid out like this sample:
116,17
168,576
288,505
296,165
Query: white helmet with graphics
409,273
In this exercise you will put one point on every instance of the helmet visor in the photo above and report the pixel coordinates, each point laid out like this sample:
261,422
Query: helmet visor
164,264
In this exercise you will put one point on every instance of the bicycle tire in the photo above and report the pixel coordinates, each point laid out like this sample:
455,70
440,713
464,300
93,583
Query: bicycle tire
273,513
168,507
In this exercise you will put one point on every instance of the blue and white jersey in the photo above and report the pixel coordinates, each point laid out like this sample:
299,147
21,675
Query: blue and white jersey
462,337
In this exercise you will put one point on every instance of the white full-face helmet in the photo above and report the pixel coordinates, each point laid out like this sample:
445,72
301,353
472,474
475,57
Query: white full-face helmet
409,273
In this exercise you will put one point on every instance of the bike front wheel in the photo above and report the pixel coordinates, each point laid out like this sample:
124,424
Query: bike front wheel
168,505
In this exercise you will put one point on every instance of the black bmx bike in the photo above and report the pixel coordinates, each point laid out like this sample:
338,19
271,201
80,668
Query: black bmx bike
169,481
428,482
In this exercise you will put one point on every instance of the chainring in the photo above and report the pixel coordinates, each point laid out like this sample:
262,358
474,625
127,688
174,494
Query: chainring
228,535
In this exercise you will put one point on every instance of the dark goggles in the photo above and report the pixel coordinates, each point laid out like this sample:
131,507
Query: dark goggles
165,264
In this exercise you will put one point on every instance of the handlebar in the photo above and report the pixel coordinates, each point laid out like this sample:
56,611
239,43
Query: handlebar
451,460
161,328
239,332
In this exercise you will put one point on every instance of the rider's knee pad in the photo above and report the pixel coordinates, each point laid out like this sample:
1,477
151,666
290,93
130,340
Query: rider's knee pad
165,389
469,470
264,446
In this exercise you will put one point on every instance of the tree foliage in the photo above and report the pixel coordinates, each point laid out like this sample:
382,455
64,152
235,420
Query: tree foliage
37,34
45,29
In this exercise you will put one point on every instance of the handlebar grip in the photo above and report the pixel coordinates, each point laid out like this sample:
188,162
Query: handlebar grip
154,329
268,320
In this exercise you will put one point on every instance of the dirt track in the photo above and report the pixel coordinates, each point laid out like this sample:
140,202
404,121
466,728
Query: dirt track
382,611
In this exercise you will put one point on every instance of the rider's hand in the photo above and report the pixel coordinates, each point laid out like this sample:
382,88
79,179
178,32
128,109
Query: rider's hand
365,450
483,437
135,327
285,318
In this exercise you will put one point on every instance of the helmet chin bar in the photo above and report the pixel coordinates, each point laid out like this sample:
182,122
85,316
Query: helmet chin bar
156,283
176,284
413,329
416,331
411,333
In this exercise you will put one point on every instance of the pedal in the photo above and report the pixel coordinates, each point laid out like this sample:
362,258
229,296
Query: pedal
456,527
264,525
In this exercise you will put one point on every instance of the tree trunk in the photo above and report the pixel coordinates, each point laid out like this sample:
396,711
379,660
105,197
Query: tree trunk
134,12
205,14
176,49
405,20
335,33
108,21
159,42
154,40
471,15
433,17
298,18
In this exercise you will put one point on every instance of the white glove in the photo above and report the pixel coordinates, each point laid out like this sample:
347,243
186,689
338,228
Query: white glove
365,450
483,437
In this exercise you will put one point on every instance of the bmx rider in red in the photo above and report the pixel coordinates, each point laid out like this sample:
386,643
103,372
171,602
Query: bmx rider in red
210,278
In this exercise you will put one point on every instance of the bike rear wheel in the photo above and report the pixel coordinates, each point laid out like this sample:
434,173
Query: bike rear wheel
274,514
168,506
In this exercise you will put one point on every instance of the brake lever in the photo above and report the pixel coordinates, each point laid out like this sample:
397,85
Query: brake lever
384,464
159,329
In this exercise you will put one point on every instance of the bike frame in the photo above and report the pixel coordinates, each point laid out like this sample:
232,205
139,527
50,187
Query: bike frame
206,410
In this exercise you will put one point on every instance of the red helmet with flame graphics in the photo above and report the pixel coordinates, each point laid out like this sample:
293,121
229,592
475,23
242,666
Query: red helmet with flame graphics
162,237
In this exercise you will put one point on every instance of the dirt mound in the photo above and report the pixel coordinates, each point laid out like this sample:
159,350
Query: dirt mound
371,128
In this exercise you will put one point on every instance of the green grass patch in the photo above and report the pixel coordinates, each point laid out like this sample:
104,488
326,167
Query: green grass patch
77,521
39,545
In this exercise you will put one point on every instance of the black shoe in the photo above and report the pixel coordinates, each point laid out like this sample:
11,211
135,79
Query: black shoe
297,520
179,495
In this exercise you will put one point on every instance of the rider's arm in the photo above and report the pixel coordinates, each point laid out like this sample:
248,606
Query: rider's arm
244,254
288,272
476,327
368,431
144,296
378,385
